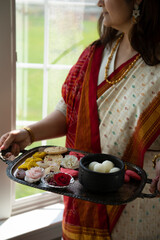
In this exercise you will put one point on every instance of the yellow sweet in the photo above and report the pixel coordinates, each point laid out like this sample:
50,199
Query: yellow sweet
28,160
23,166
39,155
37,159
33,159
32,164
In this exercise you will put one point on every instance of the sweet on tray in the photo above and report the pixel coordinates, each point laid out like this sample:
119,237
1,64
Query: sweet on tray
42,163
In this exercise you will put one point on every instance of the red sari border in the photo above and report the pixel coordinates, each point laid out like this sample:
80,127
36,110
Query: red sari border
95,136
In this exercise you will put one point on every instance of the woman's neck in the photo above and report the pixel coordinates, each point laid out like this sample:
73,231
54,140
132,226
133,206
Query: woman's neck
124,52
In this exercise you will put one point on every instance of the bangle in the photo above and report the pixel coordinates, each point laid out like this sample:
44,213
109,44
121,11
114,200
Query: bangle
30,134
155,160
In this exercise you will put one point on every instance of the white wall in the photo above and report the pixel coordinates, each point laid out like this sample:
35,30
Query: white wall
7,93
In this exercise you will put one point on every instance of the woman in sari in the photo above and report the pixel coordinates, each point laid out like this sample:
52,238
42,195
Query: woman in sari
111,104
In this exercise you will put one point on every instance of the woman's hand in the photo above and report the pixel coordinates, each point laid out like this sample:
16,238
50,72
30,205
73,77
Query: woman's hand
155,185
52,126
17,140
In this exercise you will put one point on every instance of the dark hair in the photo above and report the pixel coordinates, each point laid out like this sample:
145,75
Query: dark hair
144,35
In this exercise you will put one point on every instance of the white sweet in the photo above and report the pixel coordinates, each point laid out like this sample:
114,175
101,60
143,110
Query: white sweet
115,169
70,161
107,165
91,165
104,167
98,167
34,174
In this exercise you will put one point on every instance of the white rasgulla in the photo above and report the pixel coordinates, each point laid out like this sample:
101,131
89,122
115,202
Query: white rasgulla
98,167
108,165
115,169
91,165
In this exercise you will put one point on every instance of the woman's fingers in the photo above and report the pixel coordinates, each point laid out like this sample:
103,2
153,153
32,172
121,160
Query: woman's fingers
2,141
155,185
158,185
8,139
158,174
14,139
15,149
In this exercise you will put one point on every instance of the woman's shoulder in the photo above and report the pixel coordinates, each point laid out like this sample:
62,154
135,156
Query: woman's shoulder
91,47
86,54
152,70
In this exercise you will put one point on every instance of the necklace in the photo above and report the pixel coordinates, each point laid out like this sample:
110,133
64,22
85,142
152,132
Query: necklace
109,60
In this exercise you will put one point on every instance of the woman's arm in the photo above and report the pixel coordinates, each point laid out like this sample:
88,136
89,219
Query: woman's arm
54,125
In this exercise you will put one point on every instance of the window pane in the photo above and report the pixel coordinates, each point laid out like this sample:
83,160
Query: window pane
23,191
30,31
72,26
29,108
56,78
29,94
57,141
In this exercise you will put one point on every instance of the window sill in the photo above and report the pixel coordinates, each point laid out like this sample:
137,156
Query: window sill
44,223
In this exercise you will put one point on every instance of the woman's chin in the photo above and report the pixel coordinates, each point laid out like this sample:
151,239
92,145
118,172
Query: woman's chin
106,23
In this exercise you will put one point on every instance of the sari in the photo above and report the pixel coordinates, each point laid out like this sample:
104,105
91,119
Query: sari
93,125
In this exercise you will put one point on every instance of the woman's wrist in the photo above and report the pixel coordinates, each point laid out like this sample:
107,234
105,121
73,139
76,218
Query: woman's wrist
30,133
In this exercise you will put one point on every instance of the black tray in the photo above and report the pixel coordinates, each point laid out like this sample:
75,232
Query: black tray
127,193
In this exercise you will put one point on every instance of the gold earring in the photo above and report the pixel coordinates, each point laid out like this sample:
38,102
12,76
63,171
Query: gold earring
136,13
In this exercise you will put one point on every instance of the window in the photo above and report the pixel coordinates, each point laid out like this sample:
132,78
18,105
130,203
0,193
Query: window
50,36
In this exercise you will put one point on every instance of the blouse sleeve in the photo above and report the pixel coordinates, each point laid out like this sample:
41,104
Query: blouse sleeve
61,106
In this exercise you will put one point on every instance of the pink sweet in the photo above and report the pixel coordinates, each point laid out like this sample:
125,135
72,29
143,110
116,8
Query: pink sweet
133,174
126,178
34,174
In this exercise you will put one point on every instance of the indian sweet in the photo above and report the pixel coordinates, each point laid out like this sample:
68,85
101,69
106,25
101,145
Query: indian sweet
114,169
70,161
41,163
98,167
34,174
20,173
91,165
106,166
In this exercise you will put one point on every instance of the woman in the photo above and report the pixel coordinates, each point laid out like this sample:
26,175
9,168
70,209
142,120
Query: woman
111,104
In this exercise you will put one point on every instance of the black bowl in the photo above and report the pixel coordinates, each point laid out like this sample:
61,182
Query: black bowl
101,182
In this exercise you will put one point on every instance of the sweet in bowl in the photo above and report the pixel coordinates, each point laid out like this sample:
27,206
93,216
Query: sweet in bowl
101,172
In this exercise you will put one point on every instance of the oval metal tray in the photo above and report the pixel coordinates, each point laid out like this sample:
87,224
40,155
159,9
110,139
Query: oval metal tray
127,193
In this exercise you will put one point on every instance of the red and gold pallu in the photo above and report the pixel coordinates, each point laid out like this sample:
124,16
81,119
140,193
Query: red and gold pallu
82,219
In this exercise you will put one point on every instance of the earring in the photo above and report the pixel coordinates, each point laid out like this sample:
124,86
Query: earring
136,13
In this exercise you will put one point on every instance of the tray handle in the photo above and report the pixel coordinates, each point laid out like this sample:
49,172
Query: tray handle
8,162
151,195
3,152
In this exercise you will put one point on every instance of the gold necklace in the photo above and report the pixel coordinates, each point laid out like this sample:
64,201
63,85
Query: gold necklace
109,60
